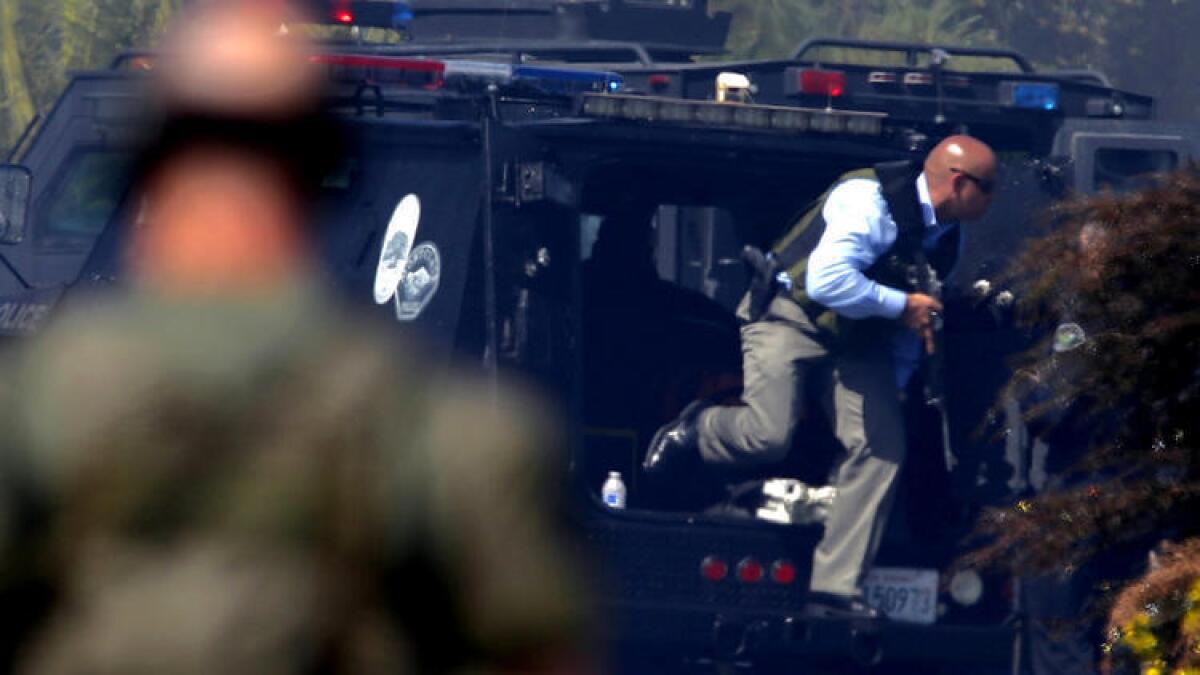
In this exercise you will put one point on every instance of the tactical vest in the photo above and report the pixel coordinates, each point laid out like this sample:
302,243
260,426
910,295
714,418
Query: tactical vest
898,181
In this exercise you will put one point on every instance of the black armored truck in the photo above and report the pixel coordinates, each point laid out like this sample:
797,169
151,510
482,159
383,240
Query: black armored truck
564,188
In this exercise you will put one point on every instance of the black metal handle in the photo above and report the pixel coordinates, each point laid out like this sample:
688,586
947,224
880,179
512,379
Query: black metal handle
911,50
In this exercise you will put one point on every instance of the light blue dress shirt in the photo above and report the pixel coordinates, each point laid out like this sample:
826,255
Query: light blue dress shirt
859,229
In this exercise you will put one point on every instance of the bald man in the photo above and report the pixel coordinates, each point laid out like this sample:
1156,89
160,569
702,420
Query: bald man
854,320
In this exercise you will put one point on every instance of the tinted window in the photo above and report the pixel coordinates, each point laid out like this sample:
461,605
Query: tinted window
658,331
84,199
1124,169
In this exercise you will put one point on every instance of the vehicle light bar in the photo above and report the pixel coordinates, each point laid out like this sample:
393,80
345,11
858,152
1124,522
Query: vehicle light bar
1031,95
659,81
662,110
1104,107
478,70
929,79
383,70
554,81
568,80
733,87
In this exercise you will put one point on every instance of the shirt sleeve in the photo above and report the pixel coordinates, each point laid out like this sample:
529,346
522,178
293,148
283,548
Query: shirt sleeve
858,229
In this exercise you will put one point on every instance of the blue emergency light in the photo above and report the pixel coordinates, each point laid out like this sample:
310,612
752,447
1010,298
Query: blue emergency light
1031,95
555,81
568,80
402,15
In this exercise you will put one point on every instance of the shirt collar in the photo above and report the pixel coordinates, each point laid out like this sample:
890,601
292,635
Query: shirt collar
927,211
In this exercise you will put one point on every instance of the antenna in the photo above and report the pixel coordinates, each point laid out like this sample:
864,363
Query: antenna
937,60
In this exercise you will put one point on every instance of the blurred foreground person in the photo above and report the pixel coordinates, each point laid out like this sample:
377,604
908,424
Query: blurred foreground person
222,471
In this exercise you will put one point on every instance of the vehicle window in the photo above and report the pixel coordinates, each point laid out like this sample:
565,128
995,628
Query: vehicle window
1124,169
84,199
589,230
659,285
708,249
695,247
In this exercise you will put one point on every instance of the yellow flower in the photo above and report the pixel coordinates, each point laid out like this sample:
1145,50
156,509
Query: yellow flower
1140,639
1155,667
1194,593
1191,621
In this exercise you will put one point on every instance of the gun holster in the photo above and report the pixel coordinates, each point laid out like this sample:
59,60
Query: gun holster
764,285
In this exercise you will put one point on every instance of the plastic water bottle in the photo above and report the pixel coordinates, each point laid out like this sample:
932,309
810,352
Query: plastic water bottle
613,492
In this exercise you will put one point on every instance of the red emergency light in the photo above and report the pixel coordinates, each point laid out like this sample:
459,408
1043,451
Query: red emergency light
387,62
816,82
659,81
340,11
386,70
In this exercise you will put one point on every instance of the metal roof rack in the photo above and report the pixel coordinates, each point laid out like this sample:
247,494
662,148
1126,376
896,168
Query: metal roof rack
584,51
514,51
669,30
910,50
1084,75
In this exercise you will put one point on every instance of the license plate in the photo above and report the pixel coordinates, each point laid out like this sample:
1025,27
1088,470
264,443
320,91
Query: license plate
903,594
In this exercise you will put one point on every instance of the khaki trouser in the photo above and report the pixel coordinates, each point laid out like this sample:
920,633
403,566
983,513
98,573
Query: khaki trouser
858,393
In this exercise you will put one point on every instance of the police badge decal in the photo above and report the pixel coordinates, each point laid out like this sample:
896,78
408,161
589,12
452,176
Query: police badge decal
406,274
421,278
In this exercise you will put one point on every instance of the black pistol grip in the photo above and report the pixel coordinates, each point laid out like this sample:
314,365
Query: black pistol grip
763,286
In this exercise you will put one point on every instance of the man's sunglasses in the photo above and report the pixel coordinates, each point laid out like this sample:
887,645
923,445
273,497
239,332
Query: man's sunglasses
985,185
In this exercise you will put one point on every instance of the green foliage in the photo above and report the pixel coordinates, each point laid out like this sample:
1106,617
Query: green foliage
41,41
1126,267
935,21
773,28
1137,42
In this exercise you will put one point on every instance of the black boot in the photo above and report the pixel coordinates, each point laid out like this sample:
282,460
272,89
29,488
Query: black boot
831,606
675,446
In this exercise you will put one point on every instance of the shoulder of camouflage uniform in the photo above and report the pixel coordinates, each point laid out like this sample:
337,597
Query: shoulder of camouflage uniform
499,464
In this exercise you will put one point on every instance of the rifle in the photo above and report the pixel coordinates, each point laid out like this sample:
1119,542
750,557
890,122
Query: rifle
923,277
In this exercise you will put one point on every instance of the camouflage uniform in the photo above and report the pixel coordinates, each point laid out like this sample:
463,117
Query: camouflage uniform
264,484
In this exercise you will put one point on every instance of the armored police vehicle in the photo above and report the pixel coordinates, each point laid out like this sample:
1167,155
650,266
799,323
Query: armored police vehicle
563,188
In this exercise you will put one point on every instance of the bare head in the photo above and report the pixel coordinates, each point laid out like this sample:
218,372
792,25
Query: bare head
240,141
227,57
961,171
